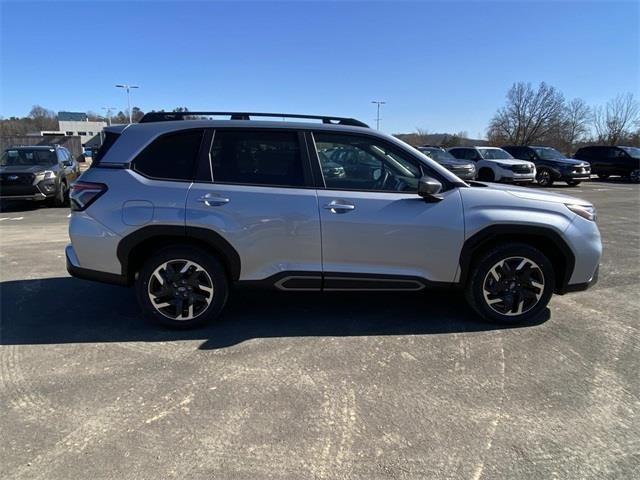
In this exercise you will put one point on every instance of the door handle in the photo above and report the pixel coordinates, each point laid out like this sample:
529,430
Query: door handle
213,200
339,206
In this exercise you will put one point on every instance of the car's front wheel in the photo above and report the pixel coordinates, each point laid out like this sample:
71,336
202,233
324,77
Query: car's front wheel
634,176
544,177
510,284
182,287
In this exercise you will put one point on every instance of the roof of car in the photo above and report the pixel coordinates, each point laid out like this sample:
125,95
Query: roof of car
32,147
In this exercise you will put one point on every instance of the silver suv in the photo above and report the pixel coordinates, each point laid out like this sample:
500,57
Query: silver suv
184,207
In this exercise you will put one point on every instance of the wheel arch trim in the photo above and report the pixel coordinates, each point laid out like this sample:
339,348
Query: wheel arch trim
227,254
486,236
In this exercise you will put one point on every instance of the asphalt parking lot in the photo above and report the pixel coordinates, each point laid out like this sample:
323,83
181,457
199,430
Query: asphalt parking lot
293,386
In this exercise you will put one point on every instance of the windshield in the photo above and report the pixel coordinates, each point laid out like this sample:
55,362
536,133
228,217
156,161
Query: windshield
27,157
548,153
494,154
633,151
437,154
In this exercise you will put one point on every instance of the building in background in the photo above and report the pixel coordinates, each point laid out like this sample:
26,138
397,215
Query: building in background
77,124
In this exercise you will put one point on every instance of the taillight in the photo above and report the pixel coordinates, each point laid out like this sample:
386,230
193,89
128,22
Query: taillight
83,194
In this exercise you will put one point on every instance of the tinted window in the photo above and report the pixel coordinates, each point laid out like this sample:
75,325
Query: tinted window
362,163
257,158
109,139
29,157
170,156
458,152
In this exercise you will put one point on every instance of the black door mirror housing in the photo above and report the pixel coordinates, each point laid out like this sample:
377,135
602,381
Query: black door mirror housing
429,189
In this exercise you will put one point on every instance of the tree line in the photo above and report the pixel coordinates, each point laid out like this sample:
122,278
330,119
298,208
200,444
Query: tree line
543,116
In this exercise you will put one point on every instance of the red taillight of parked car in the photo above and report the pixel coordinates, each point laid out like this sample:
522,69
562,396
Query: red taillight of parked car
83,194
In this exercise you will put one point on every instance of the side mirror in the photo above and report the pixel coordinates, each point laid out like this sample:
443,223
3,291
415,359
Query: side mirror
429,188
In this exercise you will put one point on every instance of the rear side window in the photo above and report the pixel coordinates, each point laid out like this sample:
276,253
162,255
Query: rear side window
109,139
171,156
247,157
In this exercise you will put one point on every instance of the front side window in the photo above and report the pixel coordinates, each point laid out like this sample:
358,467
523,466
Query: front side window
351,162
170,157
249,157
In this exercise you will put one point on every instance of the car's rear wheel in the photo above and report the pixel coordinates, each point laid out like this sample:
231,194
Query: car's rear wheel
486,175
510,284
182,287
573,183
544,177
634,176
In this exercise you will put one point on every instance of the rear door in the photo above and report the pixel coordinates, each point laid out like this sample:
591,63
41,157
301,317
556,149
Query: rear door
254,188
377,233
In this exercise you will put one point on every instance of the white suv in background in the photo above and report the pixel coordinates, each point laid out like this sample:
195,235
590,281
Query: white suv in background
496,165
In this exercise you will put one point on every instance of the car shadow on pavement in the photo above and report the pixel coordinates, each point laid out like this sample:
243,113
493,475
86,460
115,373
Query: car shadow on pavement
68,310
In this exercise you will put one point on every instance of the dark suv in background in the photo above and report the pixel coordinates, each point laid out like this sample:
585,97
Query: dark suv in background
611,160
37,173
551,165
464,169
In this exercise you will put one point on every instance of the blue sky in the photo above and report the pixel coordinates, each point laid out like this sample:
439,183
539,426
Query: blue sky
442,66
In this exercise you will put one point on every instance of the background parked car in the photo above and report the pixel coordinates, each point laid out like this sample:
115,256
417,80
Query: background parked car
464,169
611,160
551,165
37,173
496,165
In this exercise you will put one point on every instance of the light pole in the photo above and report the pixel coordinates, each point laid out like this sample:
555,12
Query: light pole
378,103
128,88
109,110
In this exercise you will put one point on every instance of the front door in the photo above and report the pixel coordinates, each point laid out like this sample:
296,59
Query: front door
377,233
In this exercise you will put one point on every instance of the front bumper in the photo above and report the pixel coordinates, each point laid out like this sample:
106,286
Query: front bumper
38,197
463,174
579,287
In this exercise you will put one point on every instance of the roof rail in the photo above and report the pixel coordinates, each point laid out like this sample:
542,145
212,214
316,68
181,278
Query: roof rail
168,116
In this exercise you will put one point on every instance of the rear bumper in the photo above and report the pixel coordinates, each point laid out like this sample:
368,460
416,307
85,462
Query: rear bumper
75,270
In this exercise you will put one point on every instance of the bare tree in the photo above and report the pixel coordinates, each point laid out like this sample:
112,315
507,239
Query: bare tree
43,119
575,122
528,116
615,121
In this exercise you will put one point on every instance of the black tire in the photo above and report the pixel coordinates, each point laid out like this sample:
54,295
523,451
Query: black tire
486,175
479,283
573,183
634,176
214,273
603,176
62,196
544,177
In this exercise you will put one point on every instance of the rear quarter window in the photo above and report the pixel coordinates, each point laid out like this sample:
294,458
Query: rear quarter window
171,156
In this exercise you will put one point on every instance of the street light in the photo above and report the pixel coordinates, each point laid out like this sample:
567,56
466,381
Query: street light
128,88
378,103
109,110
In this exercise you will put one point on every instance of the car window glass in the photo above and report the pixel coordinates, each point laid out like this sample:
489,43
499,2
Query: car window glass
351,162
250,157
171,156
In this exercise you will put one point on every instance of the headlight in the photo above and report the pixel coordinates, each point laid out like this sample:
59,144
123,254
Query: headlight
47,174
585,211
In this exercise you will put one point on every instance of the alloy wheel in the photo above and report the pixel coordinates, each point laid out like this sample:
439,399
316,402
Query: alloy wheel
544,177
180,289
634,176
513,286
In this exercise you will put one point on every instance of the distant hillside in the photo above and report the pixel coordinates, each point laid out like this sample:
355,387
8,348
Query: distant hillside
439,139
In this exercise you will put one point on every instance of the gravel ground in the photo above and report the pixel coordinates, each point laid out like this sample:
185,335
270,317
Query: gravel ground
316,385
